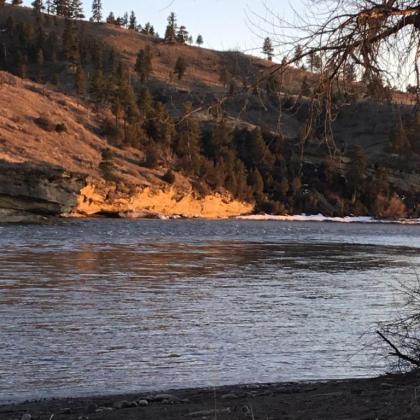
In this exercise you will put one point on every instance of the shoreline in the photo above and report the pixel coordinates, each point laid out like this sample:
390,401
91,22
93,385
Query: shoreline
364,220
392,396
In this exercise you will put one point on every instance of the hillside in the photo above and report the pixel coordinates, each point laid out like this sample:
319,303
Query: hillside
197,135
42,129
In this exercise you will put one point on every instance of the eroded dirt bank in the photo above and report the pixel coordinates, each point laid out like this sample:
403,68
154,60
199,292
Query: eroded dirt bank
388,397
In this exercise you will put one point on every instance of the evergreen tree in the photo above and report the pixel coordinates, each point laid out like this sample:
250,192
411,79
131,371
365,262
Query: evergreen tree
124,21
76,9
298,55
21,64
182,35
357,170
256,182
187,145
17,2
49,5
171,28
132,22
199,40
268,49
144,64
97,11
80,81
145,102
314,62
39,64
111,18
38,6
180,67
62,8
98,87
70,42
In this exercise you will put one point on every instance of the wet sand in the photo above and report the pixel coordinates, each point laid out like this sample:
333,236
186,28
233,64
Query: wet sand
387,397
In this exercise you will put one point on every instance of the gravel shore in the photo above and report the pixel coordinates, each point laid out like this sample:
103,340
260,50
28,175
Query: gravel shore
386,397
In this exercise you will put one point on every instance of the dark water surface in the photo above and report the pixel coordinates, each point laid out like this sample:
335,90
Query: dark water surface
109,306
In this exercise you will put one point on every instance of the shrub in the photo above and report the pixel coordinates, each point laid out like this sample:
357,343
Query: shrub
169,177
61,128
45,124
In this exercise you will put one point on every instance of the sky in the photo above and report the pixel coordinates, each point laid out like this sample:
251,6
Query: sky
224,24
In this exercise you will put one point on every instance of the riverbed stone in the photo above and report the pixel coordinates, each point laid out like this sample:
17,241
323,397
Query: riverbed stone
166,398
125,404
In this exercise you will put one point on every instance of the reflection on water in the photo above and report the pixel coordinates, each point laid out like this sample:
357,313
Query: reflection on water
111,307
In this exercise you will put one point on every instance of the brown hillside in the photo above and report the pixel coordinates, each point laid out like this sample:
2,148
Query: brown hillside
201,84
24,138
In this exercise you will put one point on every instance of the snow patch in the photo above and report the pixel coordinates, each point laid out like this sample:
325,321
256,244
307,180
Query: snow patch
322,218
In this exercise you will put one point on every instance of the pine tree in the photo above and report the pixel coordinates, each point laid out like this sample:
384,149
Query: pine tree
199,41
39,64
111,18
182,35
124,21
132,22
187,145
268,49
144,64
180,67
256,182
97,11
49,5
70,42
357,170
314,62
38,6
298,55
171,28
76,9
80,81
97,87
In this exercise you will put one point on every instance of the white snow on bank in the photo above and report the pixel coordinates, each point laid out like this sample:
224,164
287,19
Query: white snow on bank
321,218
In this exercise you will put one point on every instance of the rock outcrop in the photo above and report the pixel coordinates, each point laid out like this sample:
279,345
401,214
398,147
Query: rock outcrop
30,193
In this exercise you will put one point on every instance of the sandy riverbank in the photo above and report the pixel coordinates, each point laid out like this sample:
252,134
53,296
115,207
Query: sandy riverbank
387,397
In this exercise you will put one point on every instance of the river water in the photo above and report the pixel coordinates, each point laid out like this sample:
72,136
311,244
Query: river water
110,306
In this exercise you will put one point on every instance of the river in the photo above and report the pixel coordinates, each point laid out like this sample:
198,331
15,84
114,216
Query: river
110,306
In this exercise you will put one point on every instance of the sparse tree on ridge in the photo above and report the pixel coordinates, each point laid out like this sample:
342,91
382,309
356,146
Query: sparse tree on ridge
298,55
38,6
171,28
199,40
49,6
76,9
132,24
124,21
182,35
111,18
268,49
96,11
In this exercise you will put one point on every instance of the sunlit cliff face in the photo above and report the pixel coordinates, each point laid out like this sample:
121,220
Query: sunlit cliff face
163,202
